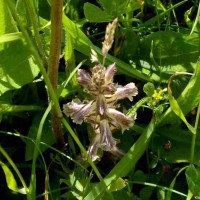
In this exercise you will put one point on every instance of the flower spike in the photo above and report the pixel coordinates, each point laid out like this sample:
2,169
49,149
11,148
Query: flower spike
101,110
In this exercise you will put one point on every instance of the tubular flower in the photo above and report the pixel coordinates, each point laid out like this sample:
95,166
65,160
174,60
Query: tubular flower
77,110
101,110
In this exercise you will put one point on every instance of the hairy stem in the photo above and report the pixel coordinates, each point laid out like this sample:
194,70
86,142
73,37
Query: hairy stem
55,46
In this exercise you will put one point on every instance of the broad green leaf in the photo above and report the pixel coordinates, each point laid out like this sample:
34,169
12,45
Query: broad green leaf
171,49
6,25
188,99
193,180
17,67
128,45
124,166
99,16
10,179
47,137
180,141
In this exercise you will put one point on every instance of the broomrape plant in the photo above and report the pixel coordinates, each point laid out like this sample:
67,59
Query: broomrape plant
101,110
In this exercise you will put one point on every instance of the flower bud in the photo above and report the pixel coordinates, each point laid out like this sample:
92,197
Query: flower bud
83,77
110,72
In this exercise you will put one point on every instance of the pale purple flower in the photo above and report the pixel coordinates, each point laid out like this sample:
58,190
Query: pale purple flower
77,110
83,77
107,141
127,91
120,119
94,146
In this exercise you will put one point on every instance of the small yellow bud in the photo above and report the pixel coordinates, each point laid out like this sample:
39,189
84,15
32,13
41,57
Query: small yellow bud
158,95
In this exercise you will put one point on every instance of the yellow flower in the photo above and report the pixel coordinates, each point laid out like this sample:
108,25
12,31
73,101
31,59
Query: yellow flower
158,95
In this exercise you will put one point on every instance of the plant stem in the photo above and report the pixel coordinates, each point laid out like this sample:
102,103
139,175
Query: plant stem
54,57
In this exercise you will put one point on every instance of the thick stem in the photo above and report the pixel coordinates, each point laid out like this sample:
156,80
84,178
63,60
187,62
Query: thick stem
55,46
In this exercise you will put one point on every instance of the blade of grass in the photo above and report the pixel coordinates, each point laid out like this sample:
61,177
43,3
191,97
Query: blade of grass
170,189
161,187
32,186
196,20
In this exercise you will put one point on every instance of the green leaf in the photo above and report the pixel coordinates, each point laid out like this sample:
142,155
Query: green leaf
99,16
17,67
10,179
193,180
127,163
47,137
117,185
